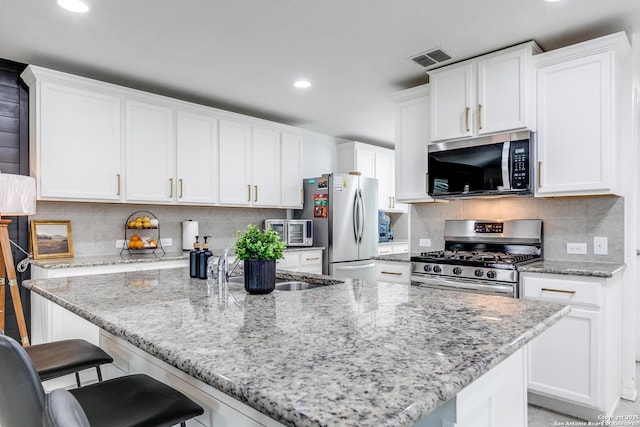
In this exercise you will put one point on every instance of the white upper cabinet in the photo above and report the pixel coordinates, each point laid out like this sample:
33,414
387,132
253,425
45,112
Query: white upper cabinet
484,95
374,162
75,140
150,152
95,141
412,138
266,167
235,160
196,158
577,123
291,156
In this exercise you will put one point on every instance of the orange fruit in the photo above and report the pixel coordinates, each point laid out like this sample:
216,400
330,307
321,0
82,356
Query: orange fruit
132,244
139,244
135,237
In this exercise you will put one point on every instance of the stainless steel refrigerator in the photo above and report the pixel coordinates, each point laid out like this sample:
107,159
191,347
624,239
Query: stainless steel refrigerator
344,210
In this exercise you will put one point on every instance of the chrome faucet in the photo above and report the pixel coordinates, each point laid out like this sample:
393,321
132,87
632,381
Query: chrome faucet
223,267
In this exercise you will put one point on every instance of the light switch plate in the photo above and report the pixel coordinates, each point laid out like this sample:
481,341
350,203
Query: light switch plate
425,243
600,246
166,241
577,248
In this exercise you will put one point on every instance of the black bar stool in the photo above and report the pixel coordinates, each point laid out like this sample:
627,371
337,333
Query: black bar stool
58,358
131,400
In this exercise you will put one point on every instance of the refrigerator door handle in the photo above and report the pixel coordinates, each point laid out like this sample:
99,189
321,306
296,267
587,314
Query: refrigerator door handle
355,217
362,213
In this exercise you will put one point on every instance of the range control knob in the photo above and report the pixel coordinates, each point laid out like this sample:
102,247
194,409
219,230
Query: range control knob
457,270
437,269
479,272
427,268
491,274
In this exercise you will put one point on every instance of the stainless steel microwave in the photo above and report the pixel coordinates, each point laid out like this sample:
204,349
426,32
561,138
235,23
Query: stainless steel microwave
488,166
293,232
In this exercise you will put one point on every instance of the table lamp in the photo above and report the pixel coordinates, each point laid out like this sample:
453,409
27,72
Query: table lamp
17,198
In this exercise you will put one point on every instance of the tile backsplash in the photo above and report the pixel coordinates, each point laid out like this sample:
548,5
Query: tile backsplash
96,226
564,220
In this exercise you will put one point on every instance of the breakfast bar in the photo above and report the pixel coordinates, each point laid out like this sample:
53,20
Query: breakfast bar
351,353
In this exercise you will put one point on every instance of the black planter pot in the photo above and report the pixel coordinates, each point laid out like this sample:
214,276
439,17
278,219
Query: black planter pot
259,276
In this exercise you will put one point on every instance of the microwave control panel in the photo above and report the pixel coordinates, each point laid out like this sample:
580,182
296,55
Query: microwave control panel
520,165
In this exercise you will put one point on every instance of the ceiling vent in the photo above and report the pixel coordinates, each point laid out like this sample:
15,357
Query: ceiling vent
432,58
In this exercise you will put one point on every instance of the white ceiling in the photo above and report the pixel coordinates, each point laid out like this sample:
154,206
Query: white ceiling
244,55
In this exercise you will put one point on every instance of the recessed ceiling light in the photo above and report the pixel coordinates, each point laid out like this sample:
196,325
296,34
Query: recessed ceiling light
74,5
302,84
552,1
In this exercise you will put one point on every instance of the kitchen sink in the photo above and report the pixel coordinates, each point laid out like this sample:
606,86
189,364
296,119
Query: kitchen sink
283,284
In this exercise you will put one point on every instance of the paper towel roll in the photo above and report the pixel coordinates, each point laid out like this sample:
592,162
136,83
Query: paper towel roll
189,233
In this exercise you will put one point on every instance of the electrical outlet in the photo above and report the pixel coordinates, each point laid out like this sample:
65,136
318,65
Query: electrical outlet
120,244
577,248
166,241
425,243
600,246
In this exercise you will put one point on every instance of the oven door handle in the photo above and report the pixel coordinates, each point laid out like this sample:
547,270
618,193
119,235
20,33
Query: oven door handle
467,285
506,157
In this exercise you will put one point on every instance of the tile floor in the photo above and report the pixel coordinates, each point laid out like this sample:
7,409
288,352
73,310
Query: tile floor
539,417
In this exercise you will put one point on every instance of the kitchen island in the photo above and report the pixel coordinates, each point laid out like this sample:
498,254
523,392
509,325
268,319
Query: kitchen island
354,353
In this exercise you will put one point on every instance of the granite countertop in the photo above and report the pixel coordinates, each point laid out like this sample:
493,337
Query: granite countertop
126,258
394,241
393,257
575,268
350,353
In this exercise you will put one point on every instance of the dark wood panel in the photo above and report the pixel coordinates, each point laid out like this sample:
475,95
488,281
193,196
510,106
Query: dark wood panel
8,78
10,94
9,109
9,139
10,155
9,124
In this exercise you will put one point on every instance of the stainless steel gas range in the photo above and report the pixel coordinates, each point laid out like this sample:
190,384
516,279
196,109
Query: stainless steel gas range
480,256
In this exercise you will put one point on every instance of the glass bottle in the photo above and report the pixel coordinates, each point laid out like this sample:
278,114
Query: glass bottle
193,259
205,254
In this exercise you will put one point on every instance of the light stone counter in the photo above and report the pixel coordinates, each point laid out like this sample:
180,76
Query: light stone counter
575,268
346,354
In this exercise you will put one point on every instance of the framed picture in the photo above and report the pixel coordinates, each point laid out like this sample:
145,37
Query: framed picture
51,239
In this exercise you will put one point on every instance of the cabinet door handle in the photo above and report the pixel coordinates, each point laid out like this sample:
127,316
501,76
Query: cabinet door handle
393,202
479,116
256,188
391,272
426,182
466,119
539,174
171,188
180,182
118,193
248,193
562,291
312,259
302,196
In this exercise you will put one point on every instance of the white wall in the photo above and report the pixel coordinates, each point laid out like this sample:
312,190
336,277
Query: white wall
320,154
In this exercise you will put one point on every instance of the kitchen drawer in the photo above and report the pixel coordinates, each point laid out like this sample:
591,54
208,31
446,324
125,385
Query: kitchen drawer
565,289
385,249
398,272
310,258
290,260
401,248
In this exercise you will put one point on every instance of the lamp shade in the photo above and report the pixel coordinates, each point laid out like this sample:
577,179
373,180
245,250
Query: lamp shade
17,195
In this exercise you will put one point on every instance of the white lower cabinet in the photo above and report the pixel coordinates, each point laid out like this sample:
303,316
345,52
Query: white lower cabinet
309,261
392,271
496,399
574,367
393,248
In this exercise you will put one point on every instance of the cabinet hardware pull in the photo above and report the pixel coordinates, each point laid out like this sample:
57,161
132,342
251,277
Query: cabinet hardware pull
426,182
466,119
170,188
479,116
391,272
302,196
118,193
390,204
312,259
539,174
393,202
562,291
256,187
180,181
248,193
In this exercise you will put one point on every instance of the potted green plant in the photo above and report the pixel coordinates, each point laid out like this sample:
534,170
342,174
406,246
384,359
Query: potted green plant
259,250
